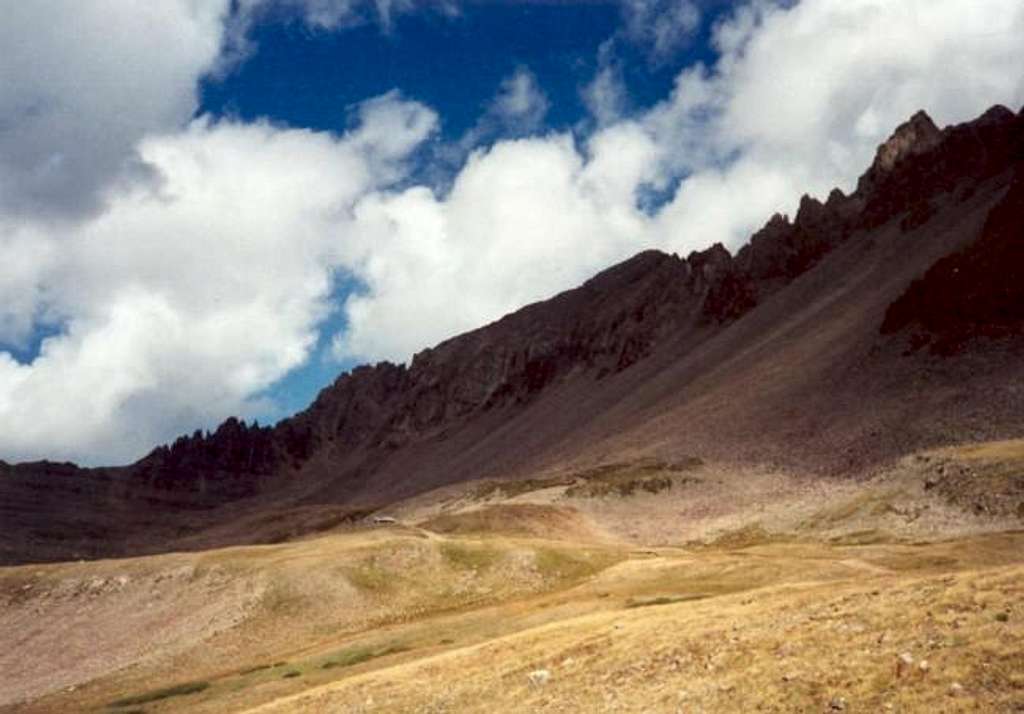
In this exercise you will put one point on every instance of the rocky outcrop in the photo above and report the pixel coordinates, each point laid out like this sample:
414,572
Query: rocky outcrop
217,467
922,165
916,136
782,250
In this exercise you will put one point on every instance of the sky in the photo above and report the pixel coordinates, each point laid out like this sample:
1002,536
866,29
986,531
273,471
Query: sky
213,207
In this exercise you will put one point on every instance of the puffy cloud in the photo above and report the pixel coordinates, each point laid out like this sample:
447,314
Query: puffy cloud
605,96
322,14
187,297
82,82
517,109
318,16
663,27
520,103
338,14
523,219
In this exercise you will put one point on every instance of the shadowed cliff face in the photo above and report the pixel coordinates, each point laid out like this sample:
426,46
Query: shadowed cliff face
604,339
976,292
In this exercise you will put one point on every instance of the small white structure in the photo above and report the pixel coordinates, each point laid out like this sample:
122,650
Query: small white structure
384,521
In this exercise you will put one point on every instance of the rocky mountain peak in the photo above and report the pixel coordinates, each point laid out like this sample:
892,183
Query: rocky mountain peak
915,136
998,114
710,261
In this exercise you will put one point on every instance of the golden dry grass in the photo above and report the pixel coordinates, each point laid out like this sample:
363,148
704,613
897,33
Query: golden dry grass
403,619
772,627
781,649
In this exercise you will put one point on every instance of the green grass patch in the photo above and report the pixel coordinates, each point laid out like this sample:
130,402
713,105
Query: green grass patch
747,536
565,565
469,557
357,655
664,600
282,597
350,657
178,690
368,576
393,649
870,536
631,478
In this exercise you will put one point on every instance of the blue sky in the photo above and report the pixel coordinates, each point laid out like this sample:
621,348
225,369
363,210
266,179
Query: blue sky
308,77
212,208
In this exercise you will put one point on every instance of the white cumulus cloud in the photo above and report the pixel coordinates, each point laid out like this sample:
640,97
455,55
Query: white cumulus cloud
82,82
517,109
662,27
523,219
187,297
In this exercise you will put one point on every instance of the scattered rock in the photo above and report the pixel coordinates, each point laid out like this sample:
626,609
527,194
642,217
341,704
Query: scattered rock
924,666
838,704
903,664
956,689
539,677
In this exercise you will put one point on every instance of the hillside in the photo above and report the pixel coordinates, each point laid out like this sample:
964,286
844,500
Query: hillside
868,327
